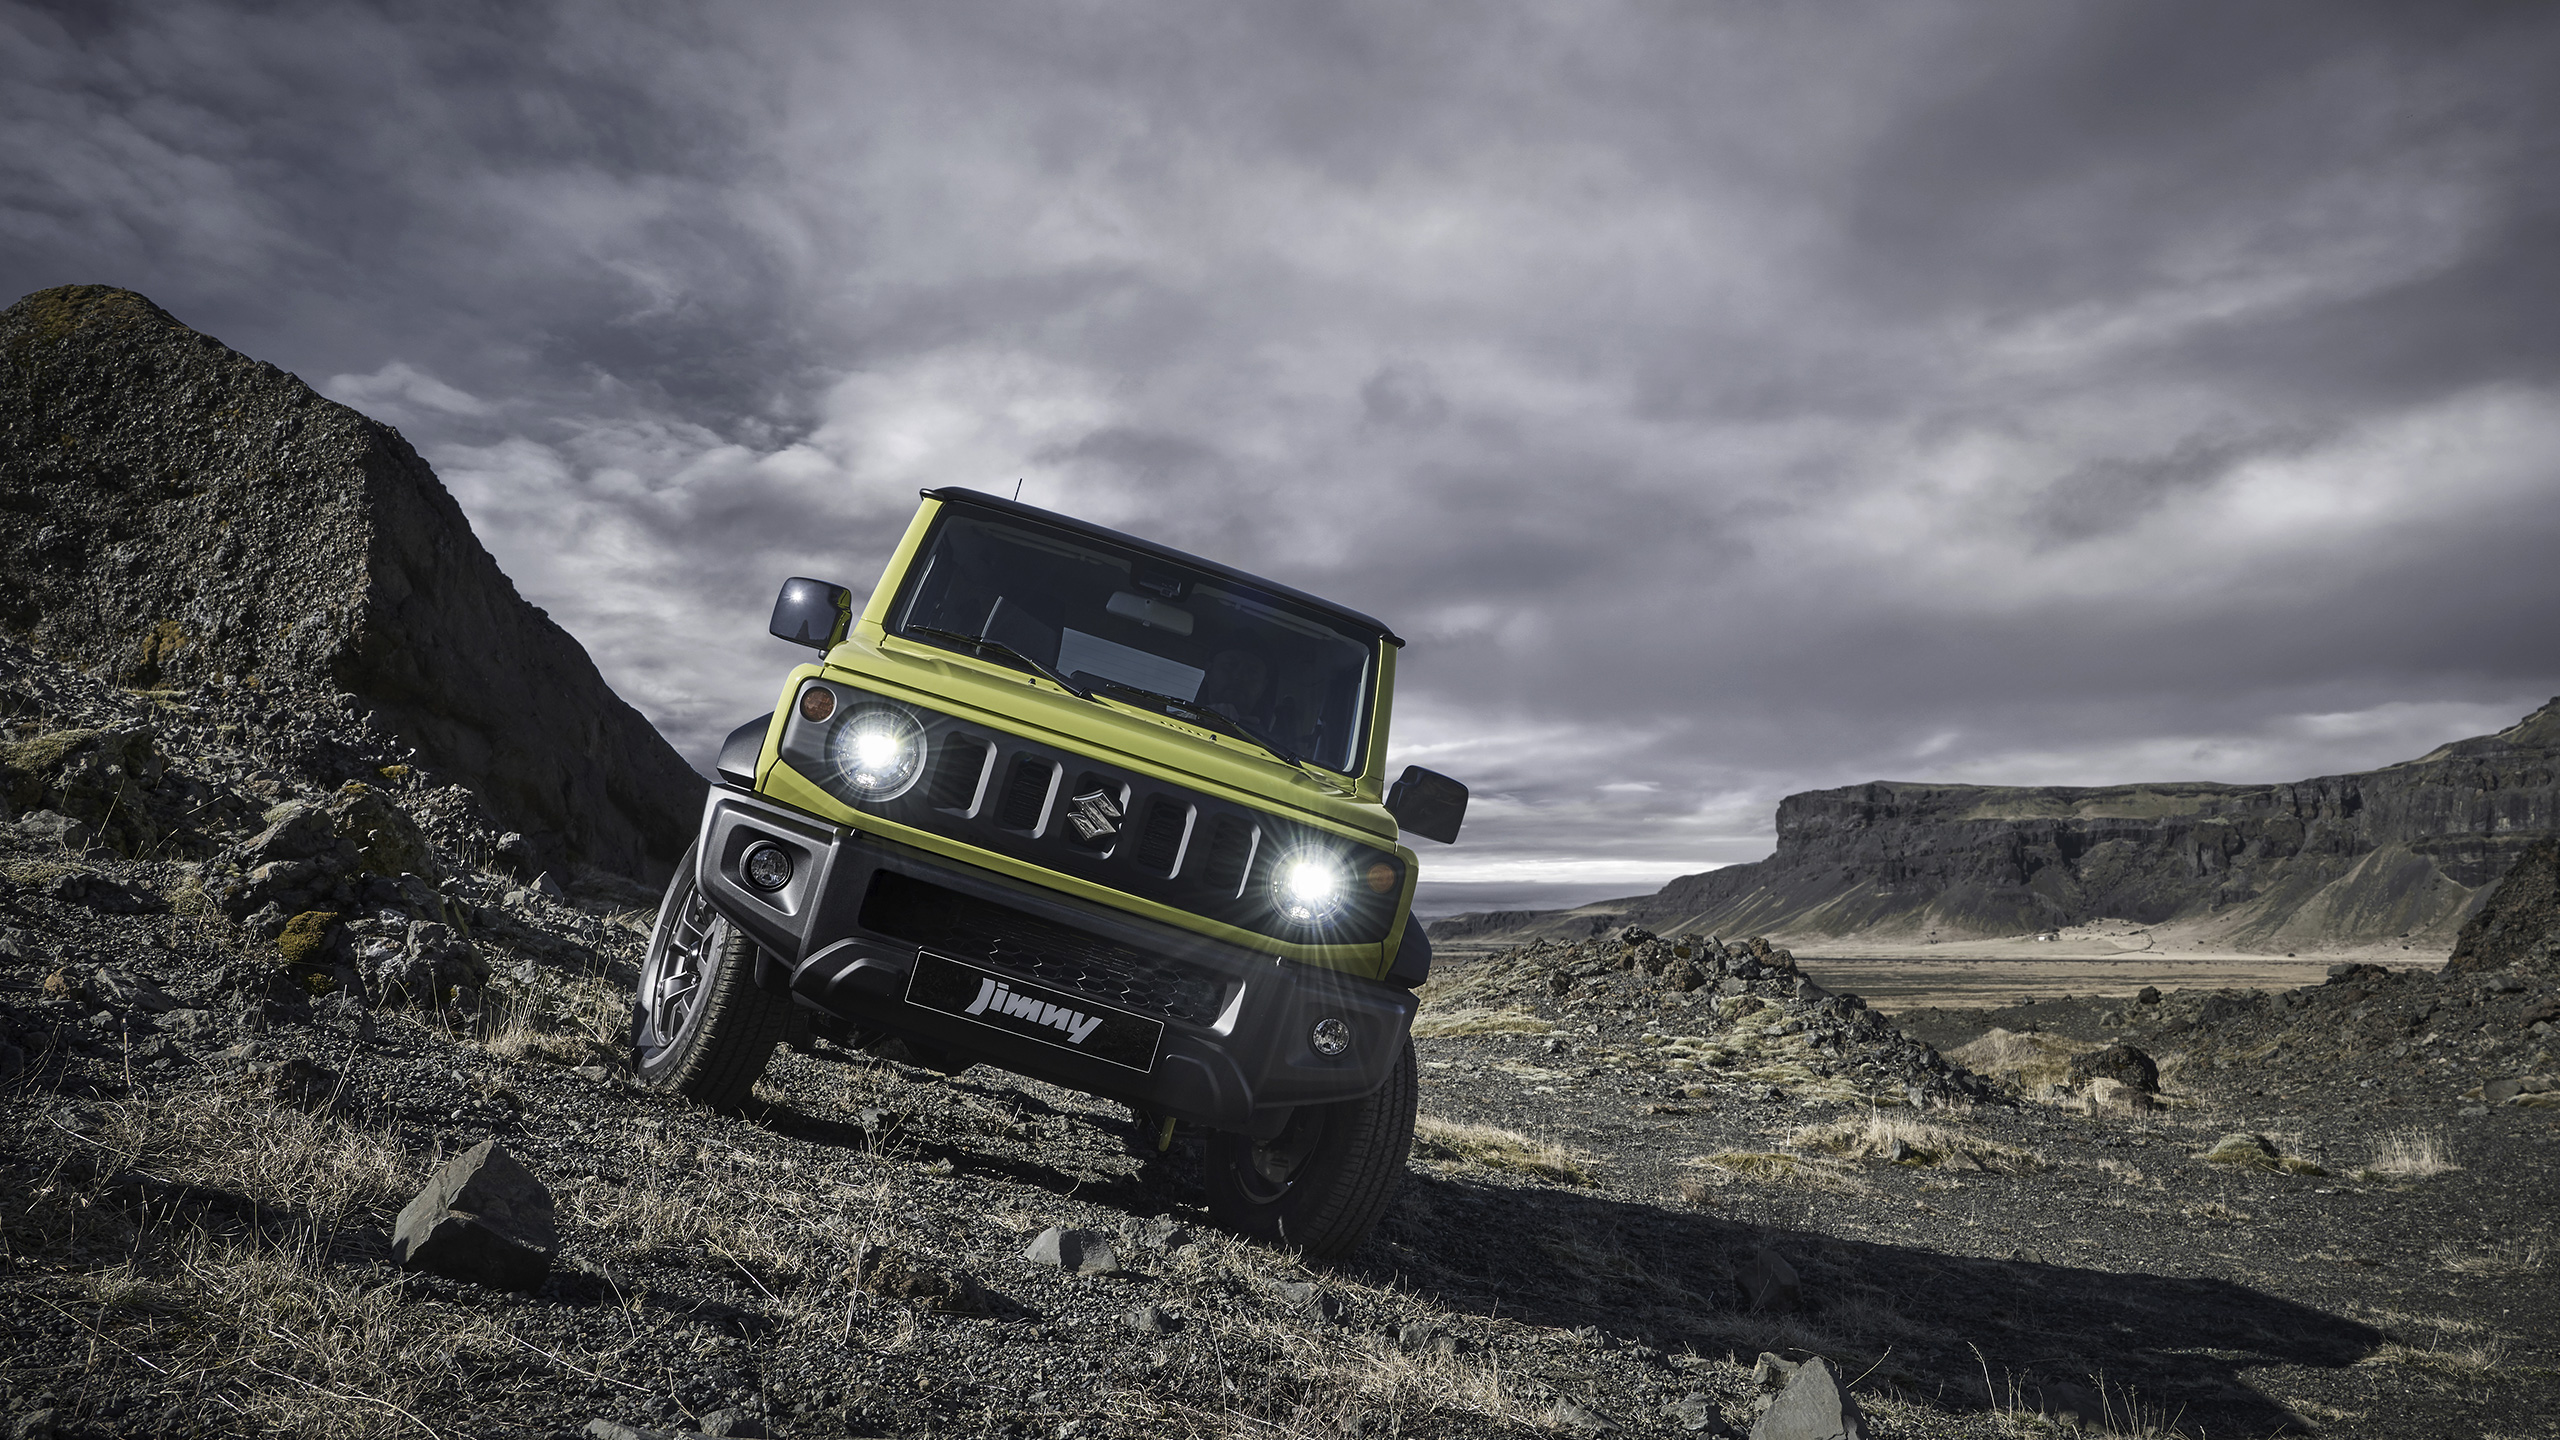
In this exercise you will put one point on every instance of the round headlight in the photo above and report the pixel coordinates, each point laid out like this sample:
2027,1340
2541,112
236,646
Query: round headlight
1310,888
878,751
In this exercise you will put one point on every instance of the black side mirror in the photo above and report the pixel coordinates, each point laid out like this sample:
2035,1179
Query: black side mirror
812,613
1428,803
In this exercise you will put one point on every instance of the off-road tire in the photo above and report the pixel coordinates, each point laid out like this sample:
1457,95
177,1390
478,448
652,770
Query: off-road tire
1350,1159
724,1035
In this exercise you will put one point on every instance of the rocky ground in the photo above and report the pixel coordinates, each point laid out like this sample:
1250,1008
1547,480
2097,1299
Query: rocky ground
1646,1164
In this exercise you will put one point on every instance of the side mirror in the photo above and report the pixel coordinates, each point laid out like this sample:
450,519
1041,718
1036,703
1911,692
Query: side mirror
1428,803
812,613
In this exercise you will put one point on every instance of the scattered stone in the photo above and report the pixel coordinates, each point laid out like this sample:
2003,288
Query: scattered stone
1077,1252
1149,1320
1696,1412
34,1425
2499,1092
1579,1418
1772,1372
1163,1233
1769,1284
482,1217
1304,1296
735,1424
1814,1406
2147,995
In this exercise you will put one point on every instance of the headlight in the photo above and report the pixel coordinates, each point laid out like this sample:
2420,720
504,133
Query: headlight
1310,887
877,751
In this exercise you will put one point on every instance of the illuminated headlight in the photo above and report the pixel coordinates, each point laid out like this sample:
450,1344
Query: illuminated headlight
877,751
1309,888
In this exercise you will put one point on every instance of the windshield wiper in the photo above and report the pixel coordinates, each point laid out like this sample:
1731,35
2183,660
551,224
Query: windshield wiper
997,647
1181,709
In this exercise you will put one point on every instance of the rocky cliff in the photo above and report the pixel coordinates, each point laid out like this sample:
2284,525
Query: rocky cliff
178,513
2519,926
2408,850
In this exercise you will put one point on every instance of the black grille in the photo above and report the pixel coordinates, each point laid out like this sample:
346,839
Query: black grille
955,773
1230,850
1001,937
1025,791
1160,837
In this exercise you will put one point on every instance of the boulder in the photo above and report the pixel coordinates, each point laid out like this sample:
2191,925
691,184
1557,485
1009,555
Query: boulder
482,1217
1077,1252
2121,1063
1769,1283
1814,1406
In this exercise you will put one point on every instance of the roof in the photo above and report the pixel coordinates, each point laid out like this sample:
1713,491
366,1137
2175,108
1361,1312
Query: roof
956,494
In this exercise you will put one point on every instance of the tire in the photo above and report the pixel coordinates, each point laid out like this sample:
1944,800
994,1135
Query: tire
701,1028
1320,1185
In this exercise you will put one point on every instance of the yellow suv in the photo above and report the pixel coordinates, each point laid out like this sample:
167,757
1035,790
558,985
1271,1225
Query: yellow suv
1075,805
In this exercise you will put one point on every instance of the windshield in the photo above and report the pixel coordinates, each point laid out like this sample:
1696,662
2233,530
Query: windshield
1121,619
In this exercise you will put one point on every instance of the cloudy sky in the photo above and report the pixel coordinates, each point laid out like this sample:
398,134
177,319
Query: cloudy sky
1724,399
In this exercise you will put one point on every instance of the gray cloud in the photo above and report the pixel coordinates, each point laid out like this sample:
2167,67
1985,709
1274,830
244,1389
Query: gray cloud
1724,400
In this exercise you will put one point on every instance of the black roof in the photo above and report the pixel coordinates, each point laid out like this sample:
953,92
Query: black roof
979,498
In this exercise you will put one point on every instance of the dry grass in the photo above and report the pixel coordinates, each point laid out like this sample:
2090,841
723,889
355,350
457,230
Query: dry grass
1510,1020
1777,1167
2033,1061
1455,1143
2408,1155
317,1165
2257,1152
1905,1140
2520,1255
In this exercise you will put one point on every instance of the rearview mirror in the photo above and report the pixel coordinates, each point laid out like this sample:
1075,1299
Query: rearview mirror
812,613
1428,803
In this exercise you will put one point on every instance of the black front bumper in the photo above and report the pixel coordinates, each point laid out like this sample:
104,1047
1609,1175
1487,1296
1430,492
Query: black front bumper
844,934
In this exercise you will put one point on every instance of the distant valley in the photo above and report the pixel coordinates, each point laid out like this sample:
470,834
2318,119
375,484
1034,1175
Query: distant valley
2398,855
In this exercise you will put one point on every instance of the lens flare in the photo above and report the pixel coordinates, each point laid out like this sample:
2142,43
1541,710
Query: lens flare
878,751
1310,888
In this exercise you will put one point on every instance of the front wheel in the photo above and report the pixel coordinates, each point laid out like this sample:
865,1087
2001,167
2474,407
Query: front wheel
701,1027
1323,1181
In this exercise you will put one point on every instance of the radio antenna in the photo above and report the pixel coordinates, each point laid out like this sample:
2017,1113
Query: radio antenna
1017,489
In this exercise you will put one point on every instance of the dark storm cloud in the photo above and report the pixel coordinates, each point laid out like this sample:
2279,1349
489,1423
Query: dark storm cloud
1724,400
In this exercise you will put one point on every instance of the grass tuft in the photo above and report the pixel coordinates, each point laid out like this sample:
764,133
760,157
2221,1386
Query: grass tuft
1455,1143
1510,1020
2409,1155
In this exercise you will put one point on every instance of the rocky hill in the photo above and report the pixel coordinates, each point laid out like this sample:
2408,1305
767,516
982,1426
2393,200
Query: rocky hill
180,514
2408,850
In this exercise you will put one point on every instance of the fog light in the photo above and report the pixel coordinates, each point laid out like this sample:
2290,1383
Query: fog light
1330,1037
768,866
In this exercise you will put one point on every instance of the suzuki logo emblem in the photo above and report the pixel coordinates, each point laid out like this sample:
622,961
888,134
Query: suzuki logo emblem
1094,814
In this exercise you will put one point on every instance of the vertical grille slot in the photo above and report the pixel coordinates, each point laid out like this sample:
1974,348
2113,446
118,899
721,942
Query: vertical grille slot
1231,845
1026,793
1160,836
957,772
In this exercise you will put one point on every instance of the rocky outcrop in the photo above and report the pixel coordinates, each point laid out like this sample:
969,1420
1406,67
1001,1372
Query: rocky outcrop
2404,851
2520,924
178,513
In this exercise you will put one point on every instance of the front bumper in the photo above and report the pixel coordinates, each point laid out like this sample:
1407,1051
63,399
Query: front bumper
844,933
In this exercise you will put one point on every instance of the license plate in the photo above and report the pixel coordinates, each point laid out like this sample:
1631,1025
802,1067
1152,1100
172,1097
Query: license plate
1034,1012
